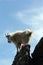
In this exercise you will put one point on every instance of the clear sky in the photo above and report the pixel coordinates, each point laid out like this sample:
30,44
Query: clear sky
19,15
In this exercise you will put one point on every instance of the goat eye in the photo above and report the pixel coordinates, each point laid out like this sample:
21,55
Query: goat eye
8,36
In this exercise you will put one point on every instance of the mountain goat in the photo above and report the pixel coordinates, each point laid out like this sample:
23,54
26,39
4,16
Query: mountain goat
19,37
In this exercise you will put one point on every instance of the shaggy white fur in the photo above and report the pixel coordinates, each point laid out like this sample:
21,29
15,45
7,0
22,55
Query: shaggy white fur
19,38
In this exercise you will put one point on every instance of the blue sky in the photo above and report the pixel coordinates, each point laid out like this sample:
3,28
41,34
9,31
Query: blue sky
19,15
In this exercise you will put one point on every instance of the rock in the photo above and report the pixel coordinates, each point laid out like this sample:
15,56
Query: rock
23,57
37,55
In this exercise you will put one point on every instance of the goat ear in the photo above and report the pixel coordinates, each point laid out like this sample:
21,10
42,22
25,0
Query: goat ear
6,35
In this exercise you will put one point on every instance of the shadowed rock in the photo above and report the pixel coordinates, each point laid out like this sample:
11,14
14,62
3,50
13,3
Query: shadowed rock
37,55
23,57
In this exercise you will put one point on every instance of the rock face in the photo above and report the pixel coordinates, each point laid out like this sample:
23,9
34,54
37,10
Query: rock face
23,57
37,55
